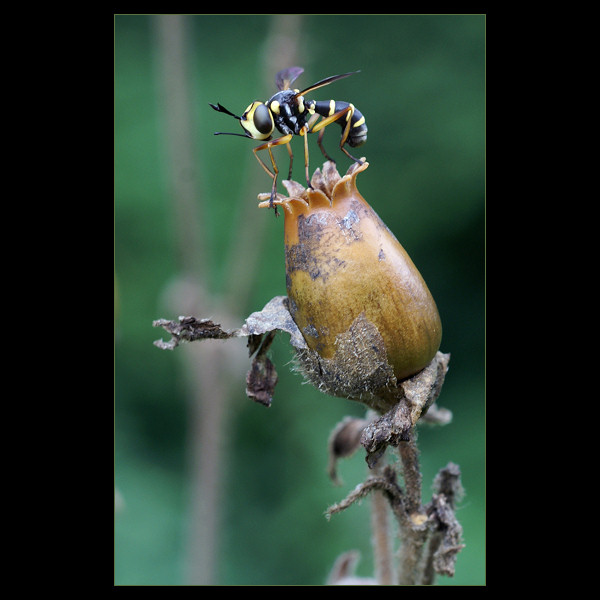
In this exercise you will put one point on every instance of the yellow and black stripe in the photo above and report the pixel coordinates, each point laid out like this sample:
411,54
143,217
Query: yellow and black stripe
290,113
357,134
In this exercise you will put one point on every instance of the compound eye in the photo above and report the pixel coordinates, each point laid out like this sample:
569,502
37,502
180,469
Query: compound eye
262,119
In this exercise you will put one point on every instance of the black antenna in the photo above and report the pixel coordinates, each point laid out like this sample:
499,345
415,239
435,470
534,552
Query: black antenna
227,133
222,109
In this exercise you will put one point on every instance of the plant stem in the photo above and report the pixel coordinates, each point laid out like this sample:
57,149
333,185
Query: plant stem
381,540
409,455
412,520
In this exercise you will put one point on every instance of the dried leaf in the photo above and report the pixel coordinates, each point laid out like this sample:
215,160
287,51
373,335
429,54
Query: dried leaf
369,379
444,558
188,329
261,379
275,316
447,482
260,329
446,538
344,440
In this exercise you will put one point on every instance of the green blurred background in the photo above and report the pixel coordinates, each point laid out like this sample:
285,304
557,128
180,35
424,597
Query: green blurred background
211,487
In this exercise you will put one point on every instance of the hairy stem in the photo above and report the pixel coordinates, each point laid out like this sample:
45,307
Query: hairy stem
413,520
381,538
409,455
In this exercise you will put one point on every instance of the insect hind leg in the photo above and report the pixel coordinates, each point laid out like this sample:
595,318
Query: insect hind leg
356,160
320,143
320,127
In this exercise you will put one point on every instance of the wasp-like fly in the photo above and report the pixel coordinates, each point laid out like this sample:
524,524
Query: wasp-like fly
292,114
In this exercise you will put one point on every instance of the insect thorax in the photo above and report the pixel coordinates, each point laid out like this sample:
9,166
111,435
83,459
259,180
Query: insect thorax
288,111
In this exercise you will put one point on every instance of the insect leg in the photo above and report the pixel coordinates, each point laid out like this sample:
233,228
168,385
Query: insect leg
289,149
356,160
320,142
267,146
310,124
304,132
332,119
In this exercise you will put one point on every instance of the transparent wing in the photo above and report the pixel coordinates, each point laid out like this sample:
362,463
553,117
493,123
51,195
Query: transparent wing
286,77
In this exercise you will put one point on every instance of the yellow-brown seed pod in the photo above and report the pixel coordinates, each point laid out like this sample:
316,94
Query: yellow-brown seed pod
353,289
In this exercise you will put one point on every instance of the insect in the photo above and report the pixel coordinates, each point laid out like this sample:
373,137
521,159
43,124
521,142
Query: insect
292,114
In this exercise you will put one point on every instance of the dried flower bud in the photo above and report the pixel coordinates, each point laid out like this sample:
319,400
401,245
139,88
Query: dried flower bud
360,317
364,310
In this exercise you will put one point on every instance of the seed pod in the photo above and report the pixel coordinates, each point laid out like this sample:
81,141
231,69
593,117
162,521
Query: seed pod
364,310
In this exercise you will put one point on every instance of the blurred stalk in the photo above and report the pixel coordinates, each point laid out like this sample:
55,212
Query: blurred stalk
281,49
187,295
209,375
181,154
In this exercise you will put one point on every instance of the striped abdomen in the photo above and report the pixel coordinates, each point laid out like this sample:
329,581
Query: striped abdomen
358,127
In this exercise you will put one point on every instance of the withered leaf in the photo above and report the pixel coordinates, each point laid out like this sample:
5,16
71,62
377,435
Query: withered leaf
344,440
261,380
188,329
260,329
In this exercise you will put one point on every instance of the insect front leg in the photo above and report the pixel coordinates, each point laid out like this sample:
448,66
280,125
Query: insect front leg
267,146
